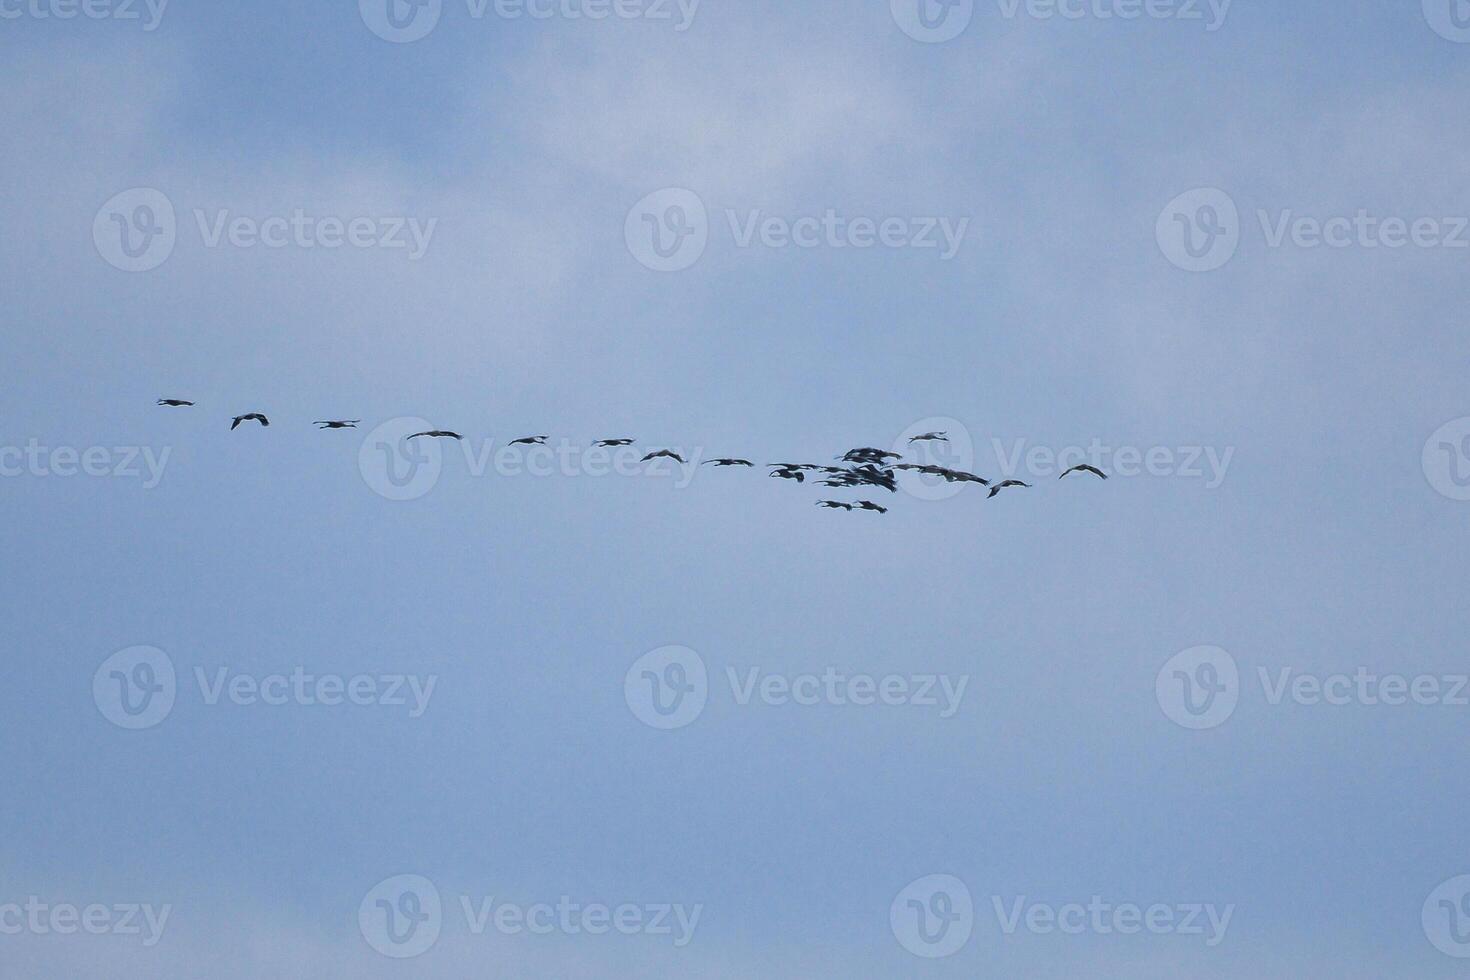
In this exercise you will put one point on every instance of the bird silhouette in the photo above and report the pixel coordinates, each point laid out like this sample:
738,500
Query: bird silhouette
531,441
834,505
338,424
869,505
663,454
728,462
951,476
613,443
437,434
252,417
1002,486
175,403
930,437
1084,468
867,475
868,455
789,474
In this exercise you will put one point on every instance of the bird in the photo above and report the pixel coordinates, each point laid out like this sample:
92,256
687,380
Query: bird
930,437
950,476
531,441
834,505
612,443
1008,483
1084,468
252,417
728,462
437,434
175,403
785,474
866,475
339,424
869,505
663,454
868,455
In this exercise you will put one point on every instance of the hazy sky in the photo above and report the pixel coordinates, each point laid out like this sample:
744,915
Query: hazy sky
1221,249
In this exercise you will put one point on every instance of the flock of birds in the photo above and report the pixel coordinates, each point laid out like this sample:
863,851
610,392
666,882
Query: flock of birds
865,467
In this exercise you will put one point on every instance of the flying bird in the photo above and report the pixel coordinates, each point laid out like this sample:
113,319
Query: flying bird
663,454
950,476
869,505
252,417
790,474
867,475
1084,468
175,403
531,441
728,462
612,443
868,455
437,434
930,437
834,505
1008,483
338,424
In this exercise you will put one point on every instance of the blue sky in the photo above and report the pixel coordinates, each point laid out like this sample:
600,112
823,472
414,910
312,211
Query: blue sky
1327,541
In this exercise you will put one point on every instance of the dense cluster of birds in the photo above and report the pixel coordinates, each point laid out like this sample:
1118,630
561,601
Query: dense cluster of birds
861,468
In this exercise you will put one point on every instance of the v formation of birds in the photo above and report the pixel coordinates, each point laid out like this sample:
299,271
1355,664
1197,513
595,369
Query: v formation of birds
866,467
